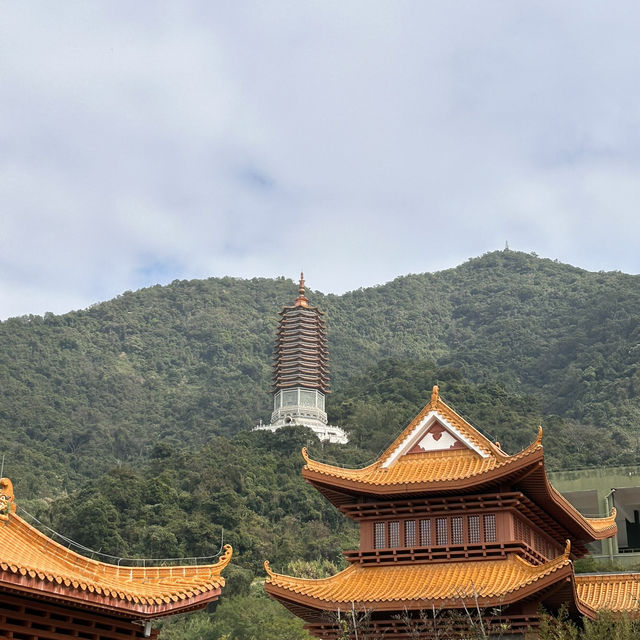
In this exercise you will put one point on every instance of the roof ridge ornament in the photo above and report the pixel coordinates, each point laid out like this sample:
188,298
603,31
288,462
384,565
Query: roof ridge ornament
225,558
305,455
435,396
267,568
301,300
7,499
567,549
539,438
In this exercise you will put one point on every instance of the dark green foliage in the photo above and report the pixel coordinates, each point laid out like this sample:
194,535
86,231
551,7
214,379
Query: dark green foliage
126,426
171,367
606,626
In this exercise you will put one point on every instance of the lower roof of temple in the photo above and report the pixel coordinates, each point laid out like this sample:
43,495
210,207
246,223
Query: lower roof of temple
453,584
442,584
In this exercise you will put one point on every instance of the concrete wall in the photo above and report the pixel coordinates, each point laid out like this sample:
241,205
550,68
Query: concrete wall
594,492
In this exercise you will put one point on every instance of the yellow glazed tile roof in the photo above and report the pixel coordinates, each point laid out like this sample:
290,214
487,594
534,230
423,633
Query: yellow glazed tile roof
614,592
25,551
435,582
436,466
412,468
444,411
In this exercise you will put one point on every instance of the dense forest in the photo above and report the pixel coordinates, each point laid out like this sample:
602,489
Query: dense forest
127,426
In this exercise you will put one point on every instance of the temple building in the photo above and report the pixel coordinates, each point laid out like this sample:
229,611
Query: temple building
48,592
451,524
301,371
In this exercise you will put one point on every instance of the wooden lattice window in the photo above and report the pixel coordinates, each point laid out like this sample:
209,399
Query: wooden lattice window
442,531
522,531
489,528
394,534
538,543
457,534
379,541
473,522
409,533
425,533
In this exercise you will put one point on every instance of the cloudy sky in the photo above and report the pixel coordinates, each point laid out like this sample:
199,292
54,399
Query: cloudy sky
147,141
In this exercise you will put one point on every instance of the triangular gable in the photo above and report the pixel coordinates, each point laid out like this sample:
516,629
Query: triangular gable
437,438
422,438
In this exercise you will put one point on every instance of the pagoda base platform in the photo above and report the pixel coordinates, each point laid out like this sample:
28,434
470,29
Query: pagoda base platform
325,432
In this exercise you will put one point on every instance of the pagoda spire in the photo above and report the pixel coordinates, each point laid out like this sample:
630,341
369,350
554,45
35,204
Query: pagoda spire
301,300
301,370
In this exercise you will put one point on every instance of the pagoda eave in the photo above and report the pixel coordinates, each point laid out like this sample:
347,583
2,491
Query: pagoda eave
351,488
315,607
66,596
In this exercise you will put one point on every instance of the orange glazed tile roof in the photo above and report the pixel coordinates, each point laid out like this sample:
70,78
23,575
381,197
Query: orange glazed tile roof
31,560
614,592
413,468
406,467
440,583
396,468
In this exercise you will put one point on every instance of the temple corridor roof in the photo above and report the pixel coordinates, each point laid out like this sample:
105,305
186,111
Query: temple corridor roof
610,591
31,561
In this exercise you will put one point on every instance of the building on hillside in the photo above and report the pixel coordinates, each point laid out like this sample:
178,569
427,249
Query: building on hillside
450,523
596,491
301,371
48,592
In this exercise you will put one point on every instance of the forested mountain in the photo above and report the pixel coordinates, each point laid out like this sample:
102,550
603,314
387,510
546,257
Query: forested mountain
127,425
184,363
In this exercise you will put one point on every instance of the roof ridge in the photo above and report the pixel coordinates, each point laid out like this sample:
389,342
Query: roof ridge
272,575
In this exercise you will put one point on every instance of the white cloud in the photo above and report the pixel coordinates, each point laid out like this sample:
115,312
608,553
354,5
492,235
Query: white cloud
358,140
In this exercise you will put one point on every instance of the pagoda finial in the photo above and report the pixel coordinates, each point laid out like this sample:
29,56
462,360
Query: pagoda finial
301,300
434,395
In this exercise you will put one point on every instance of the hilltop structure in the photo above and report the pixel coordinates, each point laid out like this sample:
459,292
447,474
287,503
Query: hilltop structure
301,371
450,522
49,592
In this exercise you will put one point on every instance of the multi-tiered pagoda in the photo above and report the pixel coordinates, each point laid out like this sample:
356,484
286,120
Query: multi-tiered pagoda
301,371
450,523
48,592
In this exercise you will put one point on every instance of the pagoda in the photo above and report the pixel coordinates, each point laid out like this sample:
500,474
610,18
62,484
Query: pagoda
451,524
301,371
49,592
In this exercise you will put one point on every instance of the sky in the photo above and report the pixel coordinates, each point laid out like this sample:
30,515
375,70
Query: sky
148,141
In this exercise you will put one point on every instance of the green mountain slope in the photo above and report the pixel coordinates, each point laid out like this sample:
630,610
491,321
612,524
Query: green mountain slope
176,366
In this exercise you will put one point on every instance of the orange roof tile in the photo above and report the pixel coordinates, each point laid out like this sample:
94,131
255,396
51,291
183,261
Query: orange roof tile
397,468
414,468
27,553
614,592
439,583
444,411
